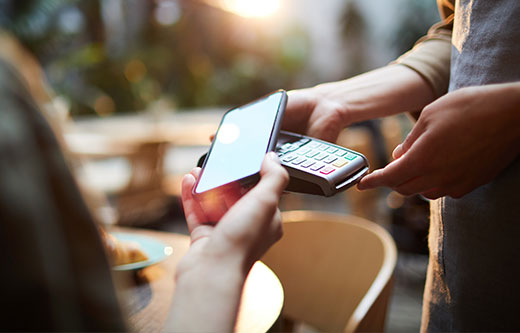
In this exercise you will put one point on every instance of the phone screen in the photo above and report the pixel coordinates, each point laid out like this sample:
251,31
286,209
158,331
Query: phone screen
241,142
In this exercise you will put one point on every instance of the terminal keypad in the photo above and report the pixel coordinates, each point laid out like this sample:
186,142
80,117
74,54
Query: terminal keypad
314,156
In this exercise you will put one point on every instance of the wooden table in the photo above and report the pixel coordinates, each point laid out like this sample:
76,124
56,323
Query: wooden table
147,293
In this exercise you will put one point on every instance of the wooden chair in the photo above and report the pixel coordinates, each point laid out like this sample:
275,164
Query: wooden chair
143,200
336,271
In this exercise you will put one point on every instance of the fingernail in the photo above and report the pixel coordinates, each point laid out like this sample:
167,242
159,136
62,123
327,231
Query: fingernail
397,151
187,177
273,156
362,185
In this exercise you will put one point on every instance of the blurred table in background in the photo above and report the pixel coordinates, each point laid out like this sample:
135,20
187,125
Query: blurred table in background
188,128
138,160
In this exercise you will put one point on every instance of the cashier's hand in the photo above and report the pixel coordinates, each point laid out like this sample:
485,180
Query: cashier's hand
460,142
315,112
249,227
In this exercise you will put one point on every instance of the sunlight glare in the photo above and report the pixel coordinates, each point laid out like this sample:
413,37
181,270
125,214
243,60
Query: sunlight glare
228,133
252,8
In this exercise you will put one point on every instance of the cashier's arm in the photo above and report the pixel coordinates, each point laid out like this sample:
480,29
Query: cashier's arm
211,275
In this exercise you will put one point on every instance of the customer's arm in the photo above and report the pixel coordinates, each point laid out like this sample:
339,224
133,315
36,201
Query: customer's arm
211,276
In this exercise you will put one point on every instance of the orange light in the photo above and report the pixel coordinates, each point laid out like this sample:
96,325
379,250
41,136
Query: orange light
135,71
104,105
251,8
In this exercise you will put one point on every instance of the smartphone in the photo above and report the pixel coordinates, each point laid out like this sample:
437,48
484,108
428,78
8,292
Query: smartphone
244,136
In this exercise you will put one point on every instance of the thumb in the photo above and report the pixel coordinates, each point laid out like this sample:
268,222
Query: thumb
274,176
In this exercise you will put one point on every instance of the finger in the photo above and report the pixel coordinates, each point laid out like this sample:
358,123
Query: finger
273,234
232,195
276,227
417,185
410,139
434,194
398,151
299,107
251,215
260,203
201,231
326,128
273,176
456,191
393,175
192,209
299,100
214,207
196,172
454,188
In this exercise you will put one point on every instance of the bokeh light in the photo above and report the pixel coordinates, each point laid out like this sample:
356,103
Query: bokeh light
252,8
135,71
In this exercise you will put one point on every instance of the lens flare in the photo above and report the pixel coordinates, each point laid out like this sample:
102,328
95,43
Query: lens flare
252,8
228,133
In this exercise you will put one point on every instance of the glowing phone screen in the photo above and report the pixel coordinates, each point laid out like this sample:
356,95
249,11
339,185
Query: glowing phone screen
241,142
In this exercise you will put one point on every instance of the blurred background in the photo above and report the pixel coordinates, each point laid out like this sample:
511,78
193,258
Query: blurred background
122,56
139,85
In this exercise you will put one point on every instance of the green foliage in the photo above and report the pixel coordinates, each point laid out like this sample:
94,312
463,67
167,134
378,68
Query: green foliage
205,58
32,21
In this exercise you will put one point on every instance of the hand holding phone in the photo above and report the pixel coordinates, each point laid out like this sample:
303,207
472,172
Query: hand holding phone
244,136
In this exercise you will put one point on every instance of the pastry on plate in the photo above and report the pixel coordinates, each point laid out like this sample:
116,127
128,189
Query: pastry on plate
122,252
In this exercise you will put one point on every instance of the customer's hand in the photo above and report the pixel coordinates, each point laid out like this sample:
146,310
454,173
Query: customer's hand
210,277
249,227
461,141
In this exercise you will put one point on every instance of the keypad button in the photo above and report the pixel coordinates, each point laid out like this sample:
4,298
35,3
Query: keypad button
293,147
330,159
303,151
331,150
350,156
313,153
340,162
307,163
314,145
303,141
327,170
289,158
323,146
341,152
321,156
317,166
299,160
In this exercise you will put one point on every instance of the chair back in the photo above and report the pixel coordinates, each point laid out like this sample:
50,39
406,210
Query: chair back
336,270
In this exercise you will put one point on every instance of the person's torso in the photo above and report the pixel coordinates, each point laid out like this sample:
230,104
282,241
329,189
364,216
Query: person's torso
475,240
485,43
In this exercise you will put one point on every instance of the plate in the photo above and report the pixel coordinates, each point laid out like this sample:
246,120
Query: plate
154,250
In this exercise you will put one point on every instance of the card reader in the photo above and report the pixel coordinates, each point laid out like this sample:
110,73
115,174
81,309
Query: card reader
317,167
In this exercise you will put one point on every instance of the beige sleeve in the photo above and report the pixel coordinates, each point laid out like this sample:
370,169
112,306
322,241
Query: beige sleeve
430,57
